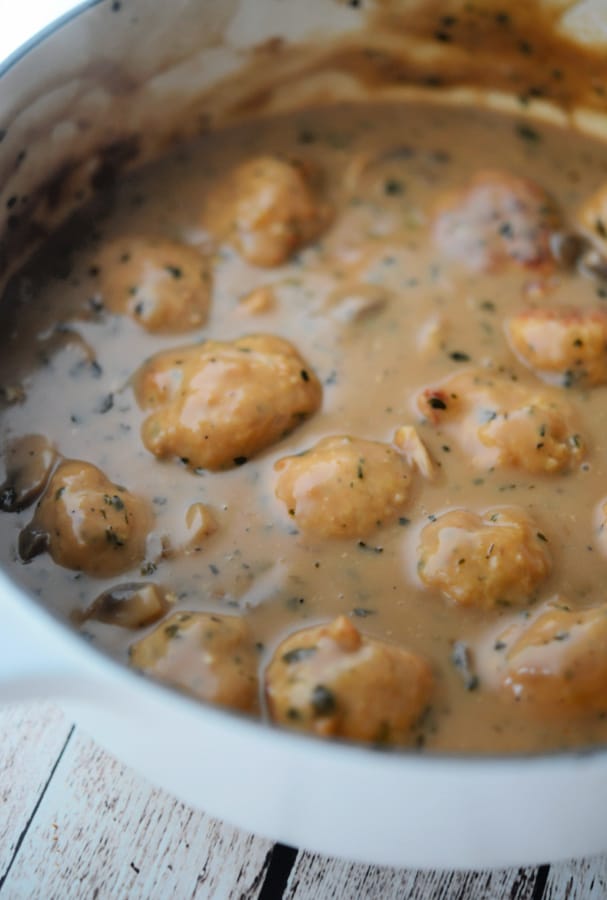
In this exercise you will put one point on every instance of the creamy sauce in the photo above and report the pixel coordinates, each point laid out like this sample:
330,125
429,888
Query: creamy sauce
379,313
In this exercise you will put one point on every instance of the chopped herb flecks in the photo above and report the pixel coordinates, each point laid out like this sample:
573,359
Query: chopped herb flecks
323,700
462,660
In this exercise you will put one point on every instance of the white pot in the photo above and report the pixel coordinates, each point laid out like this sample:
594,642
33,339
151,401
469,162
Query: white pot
73,103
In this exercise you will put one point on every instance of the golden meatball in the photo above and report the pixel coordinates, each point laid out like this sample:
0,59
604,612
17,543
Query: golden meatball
210,656
271,210
343,486
334,682
496,219
498,422
216,404
497,559
162,284
87,523
556,661
563,348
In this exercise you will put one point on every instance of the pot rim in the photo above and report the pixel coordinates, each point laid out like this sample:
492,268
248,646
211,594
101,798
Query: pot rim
16,55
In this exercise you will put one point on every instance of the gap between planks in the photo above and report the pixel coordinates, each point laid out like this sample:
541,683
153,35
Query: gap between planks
315,877
76,823
100,830
30,818
33,738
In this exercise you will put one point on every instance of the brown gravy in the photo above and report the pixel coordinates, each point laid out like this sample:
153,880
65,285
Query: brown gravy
380,314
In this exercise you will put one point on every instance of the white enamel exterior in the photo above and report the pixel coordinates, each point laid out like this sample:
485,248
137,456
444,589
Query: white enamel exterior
376,807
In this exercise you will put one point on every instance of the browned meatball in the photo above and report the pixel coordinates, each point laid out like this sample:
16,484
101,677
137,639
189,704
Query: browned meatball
216,404
343,486
496,219
270,209
555,662
334,682
498,422
88,523
496,559
563,348
210,656
162,284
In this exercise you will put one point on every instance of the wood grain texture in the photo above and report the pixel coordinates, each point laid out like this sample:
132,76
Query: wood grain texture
584,879
33,736
85,826
314,877
101,831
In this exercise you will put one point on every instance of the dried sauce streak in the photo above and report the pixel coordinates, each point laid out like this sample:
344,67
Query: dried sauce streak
382,317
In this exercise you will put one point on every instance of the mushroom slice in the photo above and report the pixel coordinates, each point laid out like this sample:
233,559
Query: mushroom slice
407,440
130,605
28,462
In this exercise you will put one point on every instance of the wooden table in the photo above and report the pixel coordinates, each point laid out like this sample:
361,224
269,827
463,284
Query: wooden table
77,824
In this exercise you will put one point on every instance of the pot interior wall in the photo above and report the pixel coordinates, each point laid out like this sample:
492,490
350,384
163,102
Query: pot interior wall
120,83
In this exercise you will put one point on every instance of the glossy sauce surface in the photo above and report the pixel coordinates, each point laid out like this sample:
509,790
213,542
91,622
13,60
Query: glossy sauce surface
381,313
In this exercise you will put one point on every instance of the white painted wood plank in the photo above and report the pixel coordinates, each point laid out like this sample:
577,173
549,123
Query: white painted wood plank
102,831
315,877
584,879
33,736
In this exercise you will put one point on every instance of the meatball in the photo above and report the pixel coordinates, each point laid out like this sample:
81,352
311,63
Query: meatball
87,523
562,348
497,219
210,656
334,682
555,662
497,559
271,210
498,422
217,403
343,486
163,285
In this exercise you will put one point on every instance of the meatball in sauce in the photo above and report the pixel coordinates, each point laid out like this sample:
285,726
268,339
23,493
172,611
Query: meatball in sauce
343,487
495,220
555,663
568,349
163,285
497,559
502,424
87,522
216,404
212,657
332,681
268,209
310,423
